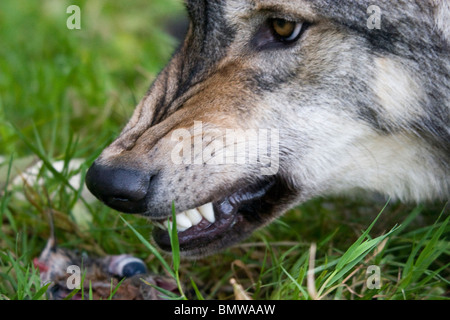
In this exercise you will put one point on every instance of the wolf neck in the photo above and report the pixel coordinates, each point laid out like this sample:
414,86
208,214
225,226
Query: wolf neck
396,165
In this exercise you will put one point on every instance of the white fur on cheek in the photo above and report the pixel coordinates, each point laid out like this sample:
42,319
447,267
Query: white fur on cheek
398,94
346,154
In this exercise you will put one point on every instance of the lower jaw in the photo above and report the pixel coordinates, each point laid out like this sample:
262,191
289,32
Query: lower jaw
237,216
200,236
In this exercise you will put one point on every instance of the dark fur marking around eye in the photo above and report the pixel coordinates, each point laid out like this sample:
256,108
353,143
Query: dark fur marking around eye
267,38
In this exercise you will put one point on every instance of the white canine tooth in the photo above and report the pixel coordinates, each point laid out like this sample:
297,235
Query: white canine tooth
183,221
194,216
207,211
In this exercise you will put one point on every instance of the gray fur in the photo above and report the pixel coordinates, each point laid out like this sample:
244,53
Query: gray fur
356,108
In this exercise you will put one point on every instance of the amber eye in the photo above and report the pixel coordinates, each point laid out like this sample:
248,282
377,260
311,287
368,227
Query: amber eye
286,30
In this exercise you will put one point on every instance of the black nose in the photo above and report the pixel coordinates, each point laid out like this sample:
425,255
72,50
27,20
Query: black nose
122,189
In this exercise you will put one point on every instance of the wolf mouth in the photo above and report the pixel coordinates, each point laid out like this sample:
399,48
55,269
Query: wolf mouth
214,223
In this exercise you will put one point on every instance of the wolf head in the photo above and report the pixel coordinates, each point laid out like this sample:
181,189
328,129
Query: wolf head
267,104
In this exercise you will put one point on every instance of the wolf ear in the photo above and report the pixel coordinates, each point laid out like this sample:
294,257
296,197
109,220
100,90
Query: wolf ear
441,10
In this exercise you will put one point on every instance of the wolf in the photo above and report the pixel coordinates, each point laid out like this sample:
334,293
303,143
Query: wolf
358,92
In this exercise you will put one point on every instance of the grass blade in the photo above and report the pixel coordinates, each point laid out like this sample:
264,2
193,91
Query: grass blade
41,292
113,292
299,287
355,254
175,246
151,248
174,243
167,294
197,292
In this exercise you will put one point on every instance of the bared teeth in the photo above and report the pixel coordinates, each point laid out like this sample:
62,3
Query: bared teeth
207,212
183,221
194,216
191,217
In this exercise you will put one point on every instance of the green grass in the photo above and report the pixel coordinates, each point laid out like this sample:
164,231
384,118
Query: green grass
65,94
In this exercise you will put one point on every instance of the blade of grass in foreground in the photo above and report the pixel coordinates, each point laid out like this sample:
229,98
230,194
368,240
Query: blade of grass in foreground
175,245
197,292
152,249
175,255
26,282
433,247
113,292
169,295
41,292
355,253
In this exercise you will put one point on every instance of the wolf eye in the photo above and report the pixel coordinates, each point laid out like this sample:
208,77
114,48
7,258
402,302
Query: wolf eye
286,30
278,33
